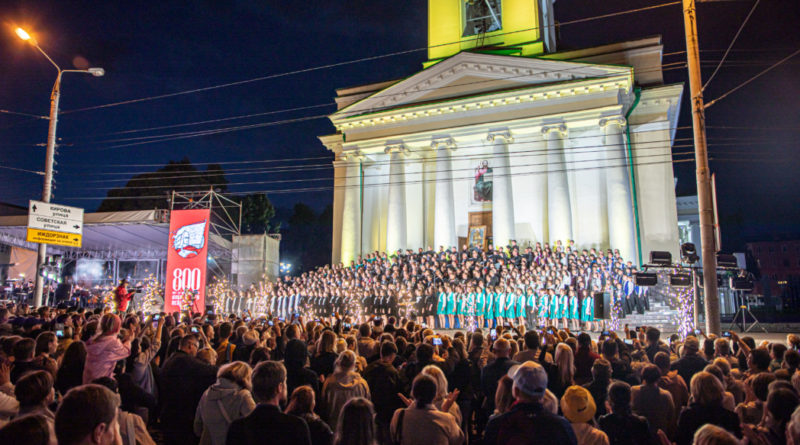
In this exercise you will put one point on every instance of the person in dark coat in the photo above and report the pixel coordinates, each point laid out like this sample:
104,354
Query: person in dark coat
493,372
385,382
184,378
691,362
267,424
706,407
297,374
528,421
621,425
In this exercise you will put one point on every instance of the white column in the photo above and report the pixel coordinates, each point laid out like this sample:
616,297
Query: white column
444,220
559,213
351,211
621,233
396,213
502,194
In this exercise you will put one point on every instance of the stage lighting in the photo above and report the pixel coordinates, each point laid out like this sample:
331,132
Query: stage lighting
660,258
680,279
726,260
689,253
645,279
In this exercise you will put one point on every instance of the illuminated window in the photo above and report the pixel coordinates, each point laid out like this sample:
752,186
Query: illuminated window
481,16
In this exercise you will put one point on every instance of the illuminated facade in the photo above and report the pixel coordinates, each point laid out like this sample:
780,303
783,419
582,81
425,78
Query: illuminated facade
516,140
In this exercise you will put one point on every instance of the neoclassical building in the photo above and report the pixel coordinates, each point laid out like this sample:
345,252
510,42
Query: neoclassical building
501,137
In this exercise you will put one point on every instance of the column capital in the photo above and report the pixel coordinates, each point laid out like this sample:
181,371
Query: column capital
500,134
353,156
613,120
560,128
396,147
445,143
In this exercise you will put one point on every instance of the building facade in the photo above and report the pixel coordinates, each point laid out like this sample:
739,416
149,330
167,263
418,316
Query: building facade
510,142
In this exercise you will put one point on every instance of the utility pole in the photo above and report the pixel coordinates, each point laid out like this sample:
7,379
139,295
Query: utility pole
47,189
705,203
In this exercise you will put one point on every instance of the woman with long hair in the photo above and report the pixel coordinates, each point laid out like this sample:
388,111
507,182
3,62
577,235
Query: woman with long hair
106,348
356,425
565,364
441,391
324,355
70,374
143,351
705,406
301,404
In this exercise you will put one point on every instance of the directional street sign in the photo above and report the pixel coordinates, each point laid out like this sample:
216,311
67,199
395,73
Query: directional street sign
58,238
55,224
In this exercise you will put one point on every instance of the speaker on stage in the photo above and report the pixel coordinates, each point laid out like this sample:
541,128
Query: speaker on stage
209,309
602,306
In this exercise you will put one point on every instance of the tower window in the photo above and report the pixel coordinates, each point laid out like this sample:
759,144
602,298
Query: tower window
481,16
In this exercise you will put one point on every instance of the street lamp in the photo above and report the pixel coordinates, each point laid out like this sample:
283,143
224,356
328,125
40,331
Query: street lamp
51,148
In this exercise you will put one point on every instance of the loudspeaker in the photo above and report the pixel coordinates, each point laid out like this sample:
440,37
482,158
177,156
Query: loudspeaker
645,279
602,305
209,309
660,258
680,280
726,260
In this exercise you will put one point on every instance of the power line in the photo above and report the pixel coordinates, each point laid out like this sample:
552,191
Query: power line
158,175
21,170
18,113
324,188
363,59
142,140
543,152
725,56
651,68
775,65
518,140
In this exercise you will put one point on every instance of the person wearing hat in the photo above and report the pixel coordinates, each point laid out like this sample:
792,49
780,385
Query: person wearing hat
579,408
690,362
529,422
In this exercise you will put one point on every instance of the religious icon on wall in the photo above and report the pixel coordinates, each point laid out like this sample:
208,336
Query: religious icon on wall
481,16
477,237
482,188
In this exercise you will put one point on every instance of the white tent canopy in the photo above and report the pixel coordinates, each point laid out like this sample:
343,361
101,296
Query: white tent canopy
113,235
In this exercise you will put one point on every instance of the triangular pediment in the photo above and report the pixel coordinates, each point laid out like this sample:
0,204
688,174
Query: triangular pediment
467,74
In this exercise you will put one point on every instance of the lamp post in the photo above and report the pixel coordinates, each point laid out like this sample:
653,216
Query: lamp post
47,189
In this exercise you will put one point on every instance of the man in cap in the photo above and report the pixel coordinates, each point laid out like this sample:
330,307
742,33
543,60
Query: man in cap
529,422
690,362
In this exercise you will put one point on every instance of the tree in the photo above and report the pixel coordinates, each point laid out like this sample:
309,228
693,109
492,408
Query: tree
257,211
152,190
306,243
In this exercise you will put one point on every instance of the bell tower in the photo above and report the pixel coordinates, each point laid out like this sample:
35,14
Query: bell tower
510,27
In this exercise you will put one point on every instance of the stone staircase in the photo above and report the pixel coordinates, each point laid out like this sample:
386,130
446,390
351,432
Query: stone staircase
660,316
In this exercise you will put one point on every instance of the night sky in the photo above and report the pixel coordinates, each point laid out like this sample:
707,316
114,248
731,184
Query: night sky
157,48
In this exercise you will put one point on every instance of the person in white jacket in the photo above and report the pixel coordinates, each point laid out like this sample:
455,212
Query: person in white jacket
225,401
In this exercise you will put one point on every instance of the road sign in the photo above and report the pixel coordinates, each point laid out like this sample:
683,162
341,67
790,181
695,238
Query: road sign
56,238
55,224
55,217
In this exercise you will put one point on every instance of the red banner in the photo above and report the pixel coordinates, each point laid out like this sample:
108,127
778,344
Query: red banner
186,260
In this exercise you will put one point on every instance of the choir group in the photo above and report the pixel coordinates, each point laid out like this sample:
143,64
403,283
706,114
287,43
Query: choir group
539,285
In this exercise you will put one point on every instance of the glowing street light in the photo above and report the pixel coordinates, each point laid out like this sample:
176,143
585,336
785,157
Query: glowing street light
51,148
23,34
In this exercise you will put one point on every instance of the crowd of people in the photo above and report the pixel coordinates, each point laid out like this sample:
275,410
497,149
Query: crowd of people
75,376
539,285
